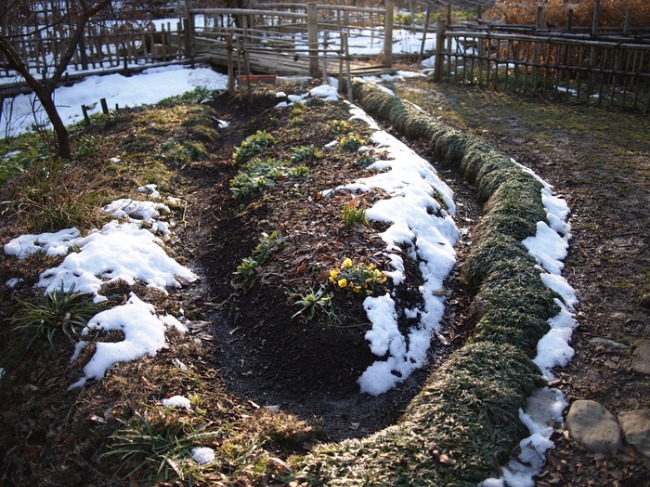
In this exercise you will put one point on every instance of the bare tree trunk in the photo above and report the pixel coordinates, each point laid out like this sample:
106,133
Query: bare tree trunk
44,90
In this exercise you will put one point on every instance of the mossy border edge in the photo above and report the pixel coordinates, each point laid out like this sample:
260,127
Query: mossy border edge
464,423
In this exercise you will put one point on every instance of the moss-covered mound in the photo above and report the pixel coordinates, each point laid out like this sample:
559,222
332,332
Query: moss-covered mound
464,423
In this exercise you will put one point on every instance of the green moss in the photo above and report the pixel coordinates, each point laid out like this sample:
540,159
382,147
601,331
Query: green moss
488,253
520,293
509,225
488,183
457,431
522,199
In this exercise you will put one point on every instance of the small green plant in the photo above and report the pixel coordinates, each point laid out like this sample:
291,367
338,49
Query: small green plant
246,272
48,316
181,154
156,446
354,212
351,143
305,153
258,174
86,146
340,126
311,303
297,110
360,278
370,157
253,145
268,245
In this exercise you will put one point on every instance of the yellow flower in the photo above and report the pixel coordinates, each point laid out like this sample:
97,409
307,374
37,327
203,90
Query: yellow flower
347,263
343,282
356,289
334,273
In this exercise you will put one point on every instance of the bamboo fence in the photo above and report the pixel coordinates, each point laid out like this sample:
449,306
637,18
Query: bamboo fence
590,66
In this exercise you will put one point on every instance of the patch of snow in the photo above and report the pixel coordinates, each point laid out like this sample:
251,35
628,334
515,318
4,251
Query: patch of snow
120,251
144,335
426,229
203,455
176,402
54,244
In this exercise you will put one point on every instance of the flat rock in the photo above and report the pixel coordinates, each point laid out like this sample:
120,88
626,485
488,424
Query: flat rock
641,358
636,429
594,427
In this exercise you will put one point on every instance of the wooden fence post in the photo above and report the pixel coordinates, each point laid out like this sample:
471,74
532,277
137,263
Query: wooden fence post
440,42
427,17
312,37
596,18
188,25
628,21
231,67
539,19
388,33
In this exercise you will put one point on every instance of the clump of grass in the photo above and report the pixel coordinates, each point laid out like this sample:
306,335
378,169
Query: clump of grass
518,293
488,252
253,145
522,199
511,327
157,445
510,225
180,154
50,316
54,194
489,183
354,213
20,153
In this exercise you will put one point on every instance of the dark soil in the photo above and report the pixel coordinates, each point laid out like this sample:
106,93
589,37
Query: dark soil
307,369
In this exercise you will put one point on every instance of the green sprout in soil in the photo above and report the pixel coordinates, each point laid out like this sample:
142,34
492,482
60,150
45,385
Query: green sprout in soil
354,213
246,272
258,174
253,145
311,303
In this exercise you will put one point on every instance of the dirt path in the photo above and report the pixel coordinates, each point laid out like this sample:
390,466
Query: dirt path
600,162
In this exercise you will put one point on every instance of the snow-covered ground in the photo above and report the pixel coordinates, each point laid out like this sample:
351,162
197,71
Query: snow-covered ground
23,112
413,187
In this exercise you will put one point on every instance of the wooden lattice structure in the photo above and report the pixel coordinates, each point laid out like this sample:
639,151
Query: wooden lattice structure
604,67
